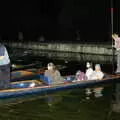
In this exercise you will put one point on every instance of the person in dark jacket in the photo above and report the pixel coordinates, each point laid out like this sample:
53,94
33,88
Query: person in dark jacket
4,68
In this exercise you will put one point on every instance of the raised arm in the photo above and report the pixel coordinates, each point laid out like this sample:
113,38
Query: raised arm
114,36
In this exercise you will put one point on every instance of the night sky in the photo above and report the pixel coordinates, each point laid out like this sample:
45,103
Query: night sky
56,19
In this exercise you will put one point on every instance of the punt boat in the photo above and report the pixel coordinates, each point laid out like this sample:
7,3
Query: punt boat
41,85
21,75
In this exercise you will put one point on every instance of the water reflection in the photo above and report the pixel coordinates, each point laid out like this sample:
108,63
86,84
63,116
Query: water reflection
96,92
73,56
52,101
66,105
116,99
67,56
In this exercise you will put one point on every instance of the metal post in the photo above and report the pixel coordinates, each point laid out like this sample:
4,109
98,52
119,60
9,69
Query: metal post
112,30
111,11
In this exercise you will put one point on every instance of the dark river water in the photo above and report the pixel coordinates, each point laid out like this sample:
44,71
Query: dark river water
96,103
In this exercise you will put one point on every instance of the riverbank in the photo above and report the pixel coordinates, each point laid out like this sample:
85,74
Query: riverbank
86,48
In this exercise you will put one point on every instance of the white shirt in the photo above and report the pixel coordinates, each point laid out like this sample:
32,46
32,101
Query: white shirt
97,75
89,72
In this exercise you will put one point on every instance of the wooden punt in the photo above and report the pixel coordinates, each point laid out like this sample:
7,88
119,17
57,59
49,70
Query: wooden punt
43,85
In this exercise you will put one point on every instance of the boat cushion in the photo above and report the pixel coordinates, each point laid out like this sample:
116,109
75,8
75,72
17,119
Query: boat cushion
45,79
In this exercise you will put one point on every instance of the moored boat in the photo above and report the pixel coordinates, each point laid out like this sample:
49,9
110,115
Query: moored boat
21,75
30,73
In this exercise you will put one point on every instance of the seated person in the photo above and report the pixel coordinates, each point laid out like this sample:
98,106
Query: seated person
53,74
97,74
80,76
89,70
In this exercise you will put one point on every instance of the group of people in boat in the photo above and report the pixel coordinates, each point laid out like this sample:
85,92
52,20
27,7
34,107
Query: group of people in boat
94,74
90,74
54,75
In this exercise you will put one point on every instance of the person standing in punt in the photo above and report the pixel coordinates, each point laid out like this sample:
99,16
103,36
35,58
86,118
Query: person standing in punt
53,74
4,67
117,46
89,70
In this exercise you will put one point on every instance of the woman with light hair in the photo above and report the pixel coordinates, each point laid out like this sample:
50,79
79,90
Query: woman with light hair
97,74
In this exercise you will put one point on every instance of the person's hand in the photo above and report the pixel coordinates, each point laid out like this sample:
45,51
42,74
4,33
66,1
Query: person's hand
113,35
98,77
1,57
